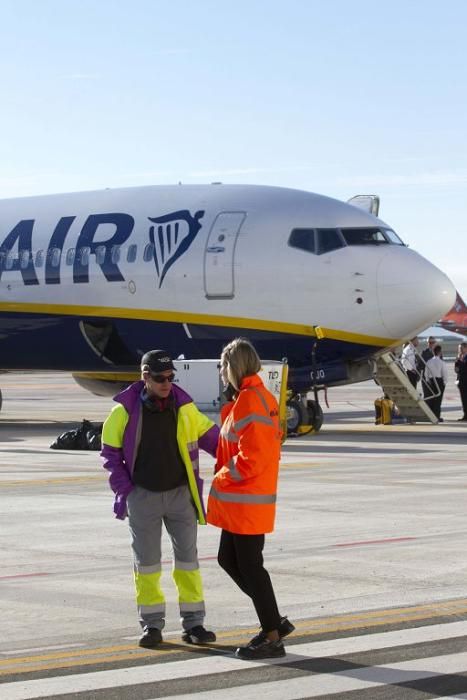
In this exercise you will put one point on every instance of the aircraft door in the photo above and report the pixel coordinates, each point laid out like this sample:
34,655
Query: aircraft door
219,255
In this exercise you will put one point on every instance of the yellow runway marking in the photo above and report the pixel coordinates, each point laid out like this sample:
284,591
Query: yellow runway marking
110,658
317,626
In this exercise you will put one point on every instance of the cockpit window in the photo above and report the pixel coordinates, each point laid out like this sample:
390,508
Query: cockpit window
392,236
328,239
325,240
304,239
363,236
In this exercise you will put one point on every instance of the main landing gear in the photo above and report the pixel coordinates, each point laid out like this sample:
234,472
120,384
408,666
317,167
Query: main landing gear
303,415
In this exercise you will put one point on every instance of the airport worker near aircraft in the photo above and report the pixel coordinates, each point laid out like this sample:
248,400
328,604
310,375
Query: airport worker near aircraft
150,447
460,367
242,500
409,362
426,355
436,374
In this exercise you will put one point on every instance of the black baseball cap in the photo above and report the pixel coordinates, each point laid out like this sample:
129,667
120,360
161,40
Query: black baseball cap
156,361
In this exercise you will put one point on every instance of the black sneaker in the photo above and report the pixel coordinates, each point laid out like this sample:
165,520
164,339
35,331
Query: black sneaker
198,635
263,649
285,628
151,638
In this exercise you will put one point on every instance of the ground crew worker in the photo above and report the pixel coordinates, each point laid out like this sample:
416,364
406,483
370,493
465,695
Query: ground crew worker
242,500
460,368
437,376
426,355
150,446
410,361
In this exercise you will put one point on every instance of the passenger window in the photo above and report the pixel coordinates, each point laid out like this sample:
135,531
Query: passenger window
303,239
363,236
83,255
39,258
115,254
9,260
70,256
131,253
100,254
24,259
148,253
54,255
328,239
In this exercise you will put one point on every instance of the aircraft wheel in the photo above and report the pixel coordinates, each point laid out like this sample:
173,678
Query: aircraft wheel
297,417
315,415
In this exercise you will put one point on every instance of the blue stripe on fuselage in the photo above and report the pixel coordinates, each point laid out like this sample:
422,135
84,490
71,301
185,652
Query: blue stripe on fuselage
53,342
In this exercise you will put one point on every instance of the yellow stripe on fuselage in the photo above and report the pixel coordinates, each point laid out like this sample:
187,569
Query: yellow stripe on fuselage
110,376
355,337
196,319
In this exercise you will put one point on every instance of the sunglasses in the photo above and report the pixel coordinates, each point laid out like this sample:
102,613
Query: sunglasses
160,379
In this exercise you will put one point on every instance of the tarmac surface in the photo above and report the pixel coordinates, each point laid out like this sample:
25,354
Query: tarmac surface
368,559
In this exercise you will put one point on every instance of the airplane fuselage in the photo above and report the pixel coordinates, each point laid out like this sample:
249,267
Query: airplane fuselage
91,280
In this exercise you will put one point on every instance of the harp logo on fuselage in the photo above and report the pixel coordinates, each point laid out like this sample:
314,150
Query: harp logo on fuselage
169,237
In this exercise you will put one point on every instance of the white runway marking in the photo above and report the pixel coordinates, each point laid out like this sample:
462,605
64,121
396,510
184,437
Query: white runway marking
312,684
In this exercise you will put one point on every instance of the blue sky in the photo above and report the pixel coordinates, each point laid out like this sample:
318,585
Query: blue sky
335,97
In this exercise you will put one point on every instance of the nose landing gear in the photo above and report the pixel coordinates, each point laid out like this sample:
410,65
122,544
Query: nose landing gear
306,415
303,415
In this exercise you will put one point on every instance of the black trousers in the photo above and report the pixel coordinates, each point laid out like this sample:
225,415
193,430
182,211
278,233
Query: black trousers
435,403
412,377
241,556
463,393
426,387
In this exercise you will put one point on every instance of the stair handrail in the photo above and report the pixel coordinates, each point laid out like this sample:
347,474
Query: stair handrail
427,390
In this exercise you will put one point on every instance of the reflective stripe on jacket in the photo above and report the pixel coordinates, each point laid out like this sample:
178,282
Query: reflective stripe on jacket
242,499
121,436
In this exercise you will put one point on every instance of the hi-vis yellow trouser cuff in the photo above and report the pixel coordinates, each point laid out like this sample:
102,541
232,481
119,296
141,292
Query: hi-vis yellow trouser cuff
150,597
187,577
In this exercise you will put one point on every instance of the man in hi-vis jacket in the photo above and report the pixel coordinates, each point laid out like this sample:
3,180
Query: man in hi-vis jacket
150,447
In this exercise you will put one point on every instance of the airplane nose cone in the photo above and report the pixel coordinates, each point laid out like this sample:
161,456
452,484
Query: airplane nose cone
412,293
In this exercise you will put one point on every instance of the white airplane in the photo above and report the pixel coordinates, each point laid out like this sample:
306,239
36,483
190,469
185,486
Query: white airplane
91,280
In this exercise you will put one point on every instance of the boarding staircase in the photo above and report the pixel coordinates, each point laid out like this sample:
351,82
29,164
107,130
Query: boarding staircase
396,385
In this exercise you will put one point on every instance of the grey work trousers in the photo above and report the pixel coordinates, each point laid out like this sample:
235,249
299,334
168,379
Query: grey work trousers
147,510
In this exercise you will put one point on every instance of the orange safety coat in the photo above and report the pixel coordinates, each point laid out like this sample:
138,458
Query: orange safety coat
243,494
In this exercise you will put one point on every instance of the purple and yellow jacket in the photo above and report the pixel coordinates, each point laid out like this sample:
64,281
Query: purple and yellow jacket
121,435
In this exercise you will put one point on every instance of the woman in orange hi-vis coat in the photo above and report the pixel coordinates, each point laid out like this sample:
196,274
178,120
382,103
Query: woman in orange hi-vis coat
242,500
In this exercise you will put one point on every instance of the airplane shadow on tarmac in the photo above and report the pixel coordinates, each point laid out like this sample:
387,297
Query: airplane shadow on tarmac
434,437
352,416
355,449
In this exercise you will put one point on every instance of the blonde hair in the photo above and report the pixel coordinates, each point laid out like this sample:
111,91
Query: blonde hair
239,359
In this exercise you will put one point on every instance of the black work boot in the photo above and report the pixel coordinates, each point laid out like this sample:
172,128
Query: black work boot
198,635
151,638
